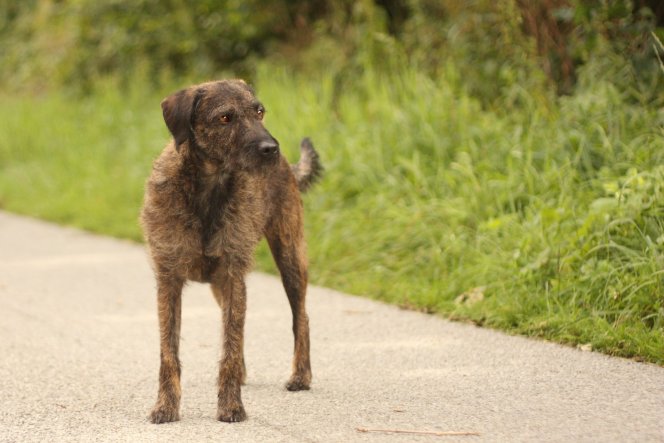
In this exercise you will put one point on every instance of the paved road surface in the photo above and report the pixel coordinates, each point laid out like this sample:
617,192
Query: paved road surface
79,362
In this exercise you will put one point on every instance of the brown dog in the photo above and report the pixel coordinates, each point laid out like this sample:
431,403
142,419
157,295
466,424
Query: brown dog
217,188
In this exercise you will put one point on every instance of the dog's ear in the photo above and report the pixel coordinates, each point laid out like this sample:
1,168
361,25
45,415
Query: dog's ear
178,110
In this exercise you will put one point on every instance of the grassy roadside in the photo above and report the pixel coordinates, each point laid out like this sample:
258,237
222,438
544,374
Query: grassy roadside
552,213
79,161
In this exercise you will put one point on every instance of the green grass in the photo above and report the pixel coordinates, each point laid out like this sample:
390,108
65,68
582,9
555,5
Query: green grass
81,162
554,208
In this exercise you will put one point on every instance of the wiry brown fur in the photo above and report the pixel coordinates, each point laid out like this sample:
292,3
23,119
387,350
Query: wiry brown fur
216,189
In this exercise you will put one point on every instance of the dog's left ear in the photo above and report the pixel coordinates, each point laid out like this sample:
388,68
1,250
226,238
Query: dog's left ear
179,110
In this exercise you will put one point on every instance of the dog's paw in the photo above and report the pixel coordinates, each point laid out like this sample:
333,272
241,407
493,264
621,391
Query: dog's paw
298,383
164,414
232,414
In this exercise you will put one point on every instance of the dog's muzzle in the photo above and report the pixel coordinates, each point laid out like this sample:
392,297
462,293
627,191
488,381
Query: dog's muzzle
268,148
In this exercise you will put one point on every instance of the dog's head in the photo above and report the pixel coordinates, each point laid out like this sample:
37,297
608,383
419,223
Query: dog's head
221,121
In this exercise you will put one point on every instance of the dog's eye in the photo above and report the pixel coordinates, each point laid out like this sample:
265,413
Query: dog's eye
261,113
226,118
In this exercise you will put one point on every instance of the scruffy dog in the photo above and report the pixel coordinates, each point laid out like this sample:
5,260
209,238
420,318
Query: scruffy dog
216,189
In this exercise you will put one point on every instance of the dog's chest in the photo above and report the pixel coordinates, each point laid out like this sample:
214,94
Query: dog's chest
231,217
211,206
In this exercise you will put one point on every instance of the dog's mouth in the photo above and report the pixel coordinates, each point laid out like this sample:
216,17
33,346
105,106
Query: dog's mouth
258,156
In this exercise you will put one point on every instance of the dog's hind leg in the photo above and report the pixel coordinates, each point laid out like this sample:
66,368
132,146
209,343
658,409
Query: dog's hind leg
286,241
169,294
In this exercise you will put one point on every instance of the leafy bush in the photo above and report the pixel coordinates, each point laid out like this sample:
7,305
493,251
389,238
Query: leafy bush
499,47
48,42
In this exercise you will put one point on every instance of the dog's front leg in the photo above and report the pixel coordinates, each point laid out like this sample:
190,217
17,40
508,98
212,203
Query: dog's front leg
216,291
169,295
231,369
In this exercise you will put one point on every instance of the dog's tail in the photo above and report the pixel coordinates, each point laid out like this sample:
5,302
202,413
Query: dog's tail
308,169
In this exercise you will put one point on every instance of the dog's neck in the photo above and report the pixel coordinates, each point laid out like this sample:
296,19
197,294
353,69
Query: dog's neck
204,169
210,179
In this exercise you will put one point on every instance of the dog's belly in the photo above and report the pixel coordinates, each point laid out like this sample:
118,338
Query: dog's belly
202,268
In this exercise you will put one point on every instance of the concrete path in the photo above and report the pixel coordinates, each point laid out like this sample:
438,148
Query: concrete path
79,362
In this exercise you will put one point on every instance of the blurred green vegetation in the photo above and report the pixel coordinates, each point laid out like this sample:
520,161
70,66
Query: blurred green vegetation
511,149
496,44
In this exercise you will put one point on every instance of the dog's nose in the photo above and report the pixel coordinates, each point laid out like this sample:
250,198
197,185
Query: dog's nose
268,147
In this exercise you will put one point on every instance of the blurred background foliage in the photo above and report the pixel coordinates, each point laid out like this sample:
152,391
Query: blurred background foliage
506,150
495,44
